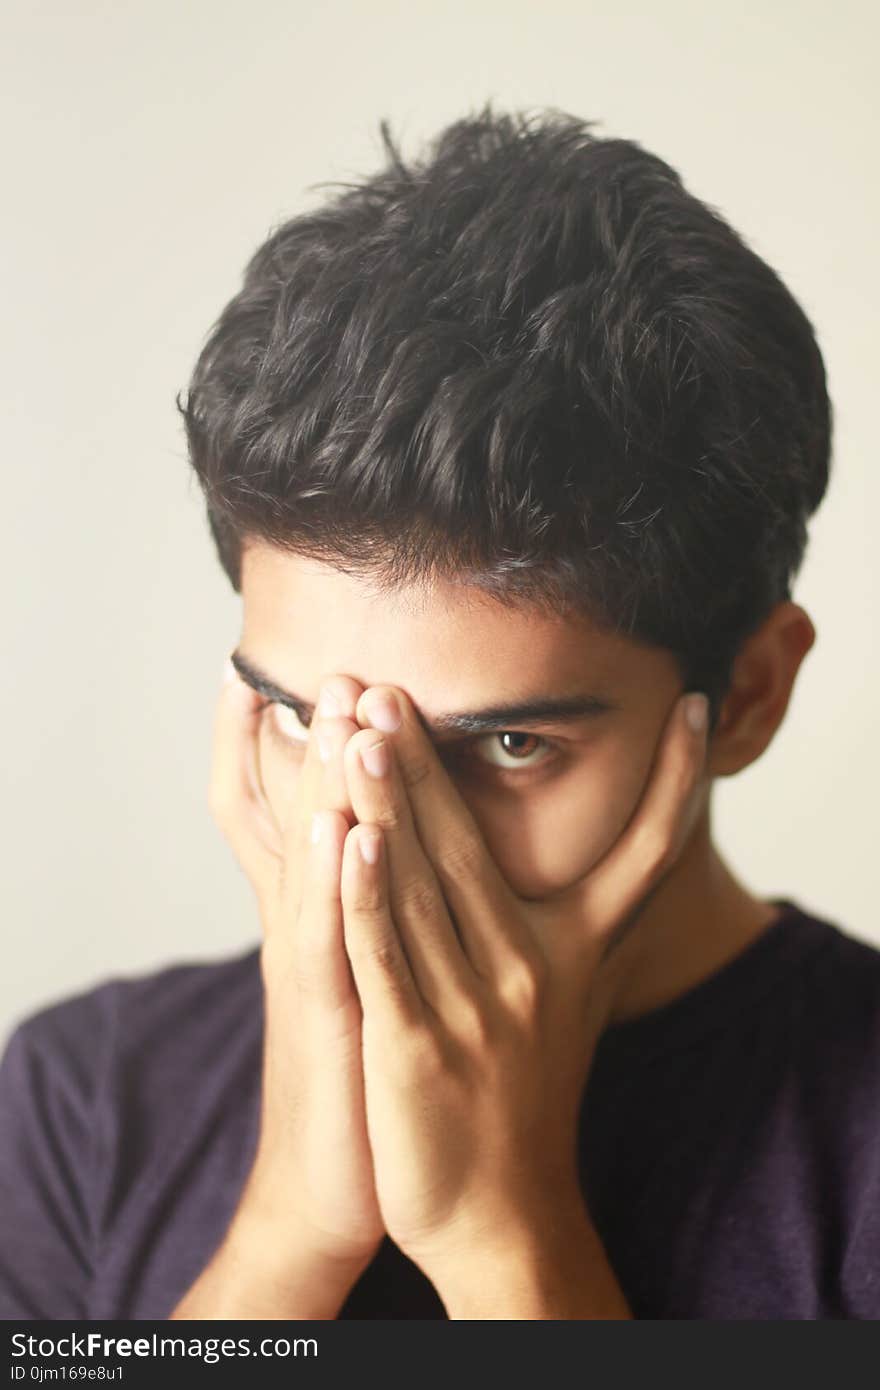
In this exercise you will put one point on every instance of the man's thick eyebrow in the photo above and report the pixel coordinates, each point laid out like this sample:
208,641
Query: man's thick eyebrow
550,709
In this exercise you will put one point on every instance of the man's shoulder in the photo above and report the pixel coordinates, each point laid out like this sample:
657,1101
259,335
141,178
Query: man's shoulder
120,1105
169,1006
846,972
842,1006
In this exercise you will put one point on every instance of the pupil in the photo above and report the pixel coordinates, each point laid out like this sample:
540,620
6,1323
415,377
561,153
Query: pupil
515,736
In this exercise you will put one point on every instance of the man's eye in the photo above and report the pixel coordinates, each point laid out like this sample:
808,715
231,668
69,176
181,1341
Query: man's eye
515,752
522,751
287,723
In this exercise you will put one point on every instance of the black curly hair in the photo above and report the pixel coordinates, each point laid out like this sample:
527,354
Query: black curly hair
531,362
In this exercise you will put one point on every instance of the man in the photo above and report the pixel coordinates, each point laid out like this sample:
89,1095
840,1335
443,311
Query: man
510,455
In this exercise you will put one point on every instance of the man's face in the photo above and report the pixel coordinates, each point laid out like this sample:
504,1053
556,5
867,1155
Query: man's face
551,796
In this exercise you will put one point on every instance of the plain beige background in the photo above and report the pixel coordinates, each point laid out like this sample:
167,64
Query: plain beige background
150,145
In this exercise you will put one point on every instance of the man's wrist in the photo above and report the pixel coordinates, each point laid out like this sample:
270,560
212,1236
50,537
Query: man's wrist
291,1263
554,1268
270,1270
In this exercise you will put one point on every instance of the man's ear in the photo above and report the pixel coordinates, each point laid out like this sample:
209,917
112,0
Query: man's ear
761,683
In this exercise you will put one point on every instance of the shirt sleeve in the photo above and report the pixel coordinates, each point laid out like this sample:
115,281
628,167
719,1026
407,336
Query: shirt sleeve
48,1141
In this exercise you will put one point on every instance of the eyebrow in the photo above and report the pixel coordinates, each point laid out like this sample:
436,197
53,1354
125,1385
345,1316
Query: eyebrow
540,709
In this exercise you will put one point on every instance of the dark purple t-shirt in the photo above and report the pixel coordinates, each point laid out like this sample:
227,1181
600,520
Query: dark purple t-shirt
730,1141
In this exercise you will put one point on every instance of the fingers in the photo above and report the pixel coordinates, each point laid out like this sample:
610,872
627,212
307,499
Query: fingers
332,732
608,898
315,944
389,996
314,790
479,897
310,906
417,906
664,818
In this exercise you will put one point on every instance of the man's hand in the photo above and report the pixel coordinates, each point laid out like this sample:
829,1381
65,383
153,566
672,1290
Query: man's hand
481,1010
308,1220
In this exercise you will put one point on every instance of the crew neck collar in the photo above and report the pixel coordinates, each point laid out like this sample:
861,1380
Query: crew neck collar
773,955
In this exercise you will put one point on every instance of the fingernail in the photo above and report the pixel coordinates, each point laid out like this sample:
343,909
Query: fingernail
316,827
375,758
368,844
696,711
383,712
325,746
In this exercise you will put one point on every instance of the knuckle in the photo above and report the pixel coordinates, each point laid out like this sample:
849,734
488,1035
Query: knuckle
384,953
459,859
524,986
367,901
415,771
369,905
416,898
387,815
475,1023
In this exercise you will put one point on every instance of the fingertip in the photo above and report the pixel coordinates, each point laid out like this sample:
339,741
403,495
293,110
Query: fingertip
344,692
363,883
696,711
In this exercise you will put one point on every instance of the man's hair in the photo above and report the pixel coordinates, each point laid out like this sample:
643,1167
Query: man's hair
531,362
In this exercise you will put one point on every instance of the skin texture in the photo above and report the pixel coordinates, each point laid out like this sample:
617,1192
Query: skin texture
446,1069
545,828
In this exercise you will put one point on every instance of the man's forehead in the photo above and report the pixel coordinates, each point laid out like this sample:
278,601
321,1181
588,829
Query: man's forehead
444,639
276,584
450,646
467,661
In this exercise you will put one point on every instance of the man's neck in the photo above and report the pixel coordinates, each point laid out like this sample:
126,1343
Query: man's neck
696,921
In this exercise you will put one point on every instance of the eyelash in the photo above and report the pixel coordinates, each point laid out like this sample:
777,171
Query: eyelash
516,774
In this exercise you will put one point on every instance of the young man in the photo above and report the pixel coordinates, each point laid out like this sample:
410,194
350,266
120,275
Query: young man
507,452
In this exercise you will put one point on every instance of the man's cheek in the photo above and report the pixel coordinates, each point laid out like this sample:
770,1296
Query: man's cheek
545,841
